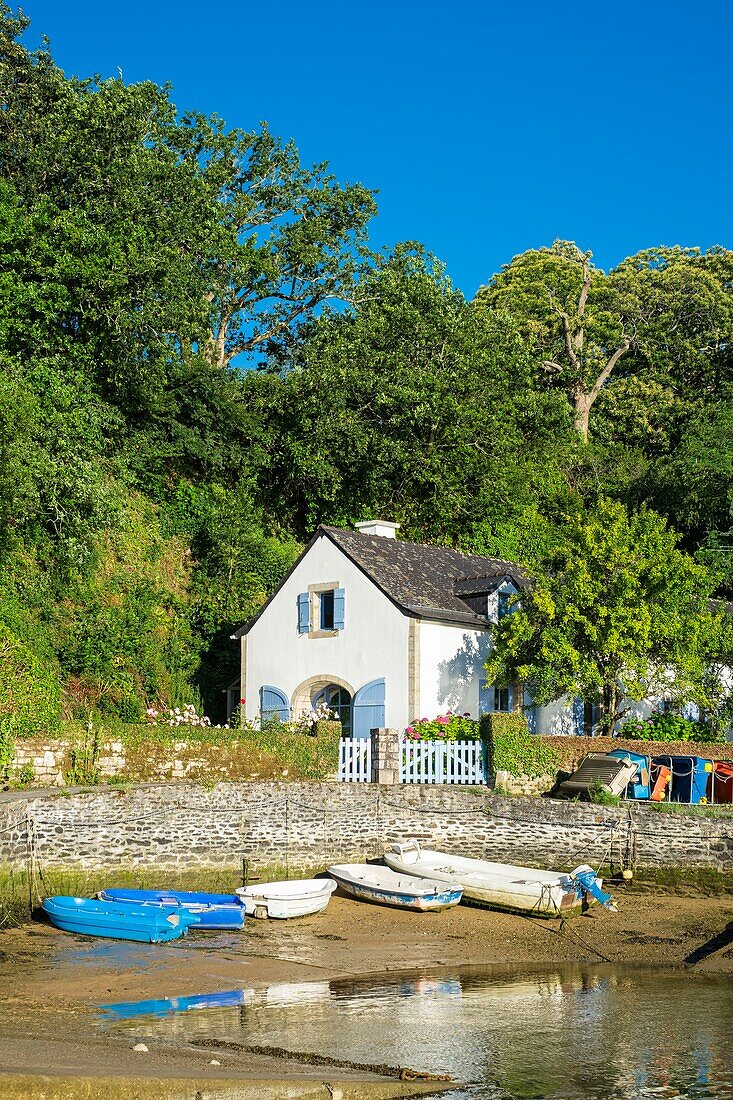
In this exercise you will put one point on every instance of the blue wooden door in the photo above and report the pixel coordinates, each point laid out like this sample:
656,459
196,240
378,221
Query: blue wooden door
273,704
368,708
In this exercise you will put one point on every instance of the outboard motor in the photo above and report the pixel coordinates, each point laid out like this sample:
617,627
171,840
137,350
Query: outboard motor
590,884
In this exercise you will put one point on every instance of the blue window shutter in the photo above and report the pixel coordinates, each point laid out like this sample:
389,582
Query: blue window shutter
339,608
273,704
485,697
304,613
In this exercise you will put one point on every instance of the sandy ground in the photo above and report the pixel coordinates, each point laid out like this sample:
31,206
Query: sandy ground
51,983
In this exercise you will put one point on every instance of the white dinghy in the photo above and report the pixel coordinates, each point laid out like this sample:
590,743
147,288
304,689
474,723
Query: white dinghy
385,887
282,900
501,885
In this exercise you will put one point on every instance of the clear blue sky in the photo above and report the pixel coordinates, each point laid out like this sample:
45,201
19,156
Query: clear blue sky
487,128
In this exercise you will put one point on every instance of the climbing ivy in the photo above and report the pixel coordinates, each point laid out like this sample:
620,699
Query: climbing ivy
30,696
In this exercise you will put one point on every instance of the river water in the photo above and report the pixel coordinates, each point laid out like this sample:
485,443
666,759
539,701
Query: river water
559,1034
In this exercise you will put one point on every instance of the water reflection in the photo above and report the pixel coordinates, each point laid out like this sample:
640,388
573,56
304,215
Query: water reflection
565,1034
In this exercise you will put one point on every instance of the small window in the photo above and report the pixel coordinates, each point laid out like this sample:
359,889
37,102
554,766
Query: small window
326,599
503,604
503,699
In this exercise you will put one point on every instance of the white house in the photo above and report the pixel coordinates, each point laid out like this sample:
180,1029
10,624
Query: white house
385,631
382,630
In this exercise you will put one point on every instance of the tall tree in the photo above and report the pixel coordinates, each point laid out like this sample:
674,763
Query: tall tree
410,404
616,612
665,314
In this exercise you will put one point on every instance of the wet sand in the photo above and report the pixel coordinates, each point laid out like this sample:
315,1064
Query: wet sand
51,985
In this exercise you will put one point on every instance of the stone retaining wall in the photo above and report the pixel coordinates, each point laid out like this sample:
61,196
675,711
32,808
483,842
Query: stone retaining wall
309,825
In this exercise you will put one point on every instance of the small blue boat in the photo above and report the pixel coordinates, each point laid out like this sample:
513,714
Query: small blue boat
215,911
118,921
169,1006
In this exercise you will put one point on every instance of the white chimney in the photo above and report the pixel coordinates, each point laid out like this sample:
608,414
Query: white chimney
378,527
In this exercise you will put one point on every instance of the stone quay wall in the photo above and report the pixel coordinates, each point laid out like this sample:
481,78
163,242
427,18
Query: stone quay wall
307,826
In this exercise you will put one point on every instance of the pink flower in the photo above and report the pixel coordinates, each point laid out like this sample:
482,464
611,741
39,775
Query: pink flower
409,729
466,714
444,719
441,733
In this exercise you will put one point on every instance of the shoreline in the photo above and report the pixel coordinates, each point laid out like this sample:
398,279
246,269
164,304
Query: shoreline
52,984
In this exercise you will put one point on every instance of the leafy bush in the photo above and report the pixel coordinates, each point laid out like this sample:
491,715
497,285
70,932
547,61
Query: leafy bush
669,727
446,727
512,748
30,696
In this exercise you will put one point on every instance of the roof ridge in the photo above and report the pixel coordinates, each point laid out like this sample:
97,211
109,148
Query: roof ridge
425,545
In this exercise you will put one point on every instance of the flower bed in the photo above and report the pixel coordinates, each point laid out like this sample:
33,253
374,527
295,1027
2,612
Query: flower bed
446,727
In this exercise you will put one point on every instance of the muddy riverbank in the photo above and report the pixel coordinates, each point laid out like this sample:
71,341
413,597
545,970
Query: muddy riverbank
52,984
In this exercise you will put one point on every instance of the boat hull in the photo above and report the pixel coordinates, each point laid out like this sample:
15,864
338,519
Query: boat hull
496,885
285,900
214,911
400,891
117,920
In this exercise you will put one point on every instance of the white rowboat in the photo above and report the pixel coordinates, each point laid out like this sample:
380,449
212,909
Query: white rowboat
282,900
502,885
386,887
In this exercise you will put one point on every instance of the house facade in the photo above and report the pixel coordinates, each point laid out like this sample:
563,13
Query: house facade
384,631
381,630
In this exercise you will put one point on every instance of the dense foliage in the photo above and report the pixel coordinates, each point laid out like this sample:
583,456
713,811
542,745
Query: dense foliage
201,360
669,727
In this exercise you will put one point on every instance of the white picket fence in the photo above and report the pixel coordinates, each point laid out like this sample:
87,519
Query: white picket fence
355,759
443,762
420,761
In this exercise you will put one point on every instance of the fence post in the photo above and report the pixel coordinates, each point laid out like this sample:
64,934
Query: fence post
386,755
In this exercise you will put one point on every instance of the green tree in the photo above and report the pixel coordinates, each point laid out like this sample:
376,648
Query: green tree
411,405
665,314
616,611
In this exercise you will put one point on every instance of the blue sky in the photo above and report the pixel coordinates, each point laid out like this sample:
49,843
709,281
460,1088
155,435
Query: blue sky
487,128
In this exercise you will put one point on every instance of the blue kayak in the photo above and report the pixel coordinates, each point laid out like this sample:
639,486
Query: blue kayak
89,917
213,910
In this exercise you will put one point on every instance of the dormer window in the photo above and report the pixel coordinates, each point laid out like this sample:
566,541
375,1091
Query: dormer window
503,607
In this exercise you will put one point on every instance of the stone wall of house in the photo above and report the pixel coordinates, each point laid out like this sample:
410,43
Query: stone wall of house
299,826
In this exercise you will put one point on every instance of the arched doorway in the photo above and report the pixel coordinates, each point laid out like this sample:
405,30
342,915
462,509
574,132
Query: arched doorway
338,700
335,692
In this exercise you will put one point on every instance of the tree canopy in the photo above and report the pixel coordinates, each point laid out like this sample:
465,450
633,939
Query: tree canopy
204,354
616,612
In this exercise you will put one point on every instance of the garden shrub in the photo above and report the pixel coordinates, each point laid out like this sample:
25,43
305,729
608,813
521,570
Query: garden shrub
512,748
669,727
30,695
446,727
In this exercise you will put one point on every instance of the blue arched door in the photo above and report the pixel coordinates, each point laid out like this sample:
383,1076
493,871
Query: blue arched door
273,704
368,708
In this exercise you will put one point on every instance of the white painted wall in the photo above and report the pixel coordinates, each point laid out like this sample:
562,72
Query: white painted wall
373,643
452,660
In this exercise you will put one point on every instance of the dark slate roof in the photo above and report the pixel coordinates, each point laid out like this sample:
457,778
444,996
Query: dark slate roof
422,580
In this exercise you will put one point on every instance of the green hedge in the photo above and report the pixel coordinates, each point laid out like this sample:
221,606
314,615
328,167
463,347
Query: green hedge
30,695
512,748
